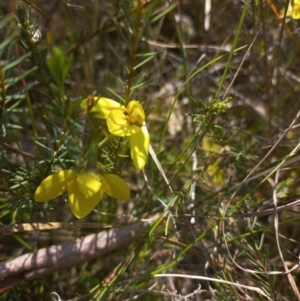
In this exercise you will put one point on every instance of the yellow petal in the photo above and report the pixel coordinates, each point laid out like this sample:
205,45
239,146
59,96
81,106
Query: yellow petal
296,11
54,185
139,147
102,106
118,125
81,205
216,173
105,105
114,186
89,184
210,146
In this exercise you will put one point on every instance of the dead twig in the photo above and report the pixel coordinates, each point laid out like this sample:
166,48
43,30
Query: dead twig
47,260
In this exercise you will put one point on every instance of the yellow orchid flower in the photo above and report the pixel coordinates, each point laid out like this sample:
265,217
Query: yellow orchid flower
213,172
294,9
85,189
124,121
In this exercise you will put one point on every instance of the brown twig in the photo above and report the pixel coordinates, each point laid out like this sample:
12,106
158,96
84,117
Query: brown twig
47,260
16,150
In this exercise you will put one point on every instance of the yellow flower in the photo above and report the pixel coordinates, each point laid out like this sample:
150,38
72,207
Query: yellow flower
125,122
214,172
85,189
294,9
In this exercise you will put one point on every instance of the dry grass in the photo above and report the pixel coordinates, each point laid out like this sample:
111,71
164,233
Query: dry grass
220,188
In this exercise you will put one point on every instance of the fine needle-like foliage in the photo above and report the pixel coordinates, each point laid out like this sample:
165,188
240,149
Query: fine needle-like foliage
149,150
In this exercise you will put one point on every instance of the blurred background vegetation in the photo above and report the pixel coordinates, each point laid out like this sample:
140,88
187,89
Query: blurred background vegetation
220,82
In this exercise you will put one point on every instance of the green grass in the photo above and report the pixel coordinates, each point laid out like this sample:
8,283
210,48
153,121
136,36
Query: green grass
222,107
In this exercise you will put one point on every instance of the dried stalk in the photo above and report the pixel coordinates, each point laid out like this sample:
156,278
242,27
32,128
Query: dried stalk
47,260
